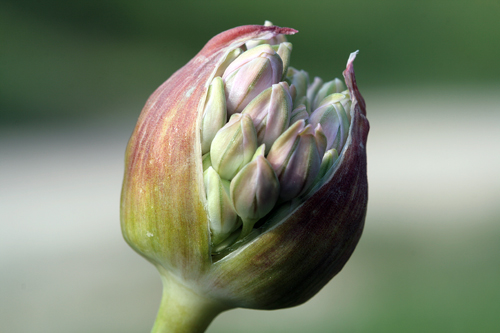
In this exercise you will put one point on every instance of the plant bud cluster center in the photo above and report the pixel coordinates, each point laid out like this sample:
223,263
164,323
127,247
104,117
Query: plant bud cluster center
268,136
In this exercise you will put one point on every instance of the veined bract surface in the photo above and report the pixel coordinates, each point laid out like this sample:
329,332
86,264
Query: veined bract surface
263,255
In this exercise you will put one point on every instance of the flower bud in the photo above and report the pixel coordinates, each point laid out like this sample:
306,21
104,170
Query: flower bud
254,191
284,50
251,73
206,161
334,122
233,146
331,87
270,112
167,203
313,90
300,112
222,216
214,115
300,79
296,159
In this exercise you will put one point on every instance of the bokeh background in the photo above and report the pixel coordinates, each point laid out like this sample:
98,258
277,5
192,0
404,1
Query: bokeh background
74,76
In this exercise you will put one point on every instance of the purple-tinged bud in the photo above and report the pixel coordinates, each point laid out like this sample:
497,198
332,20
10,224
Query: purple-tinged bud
300,112
270,112
254,191
334,121
296,159
251,73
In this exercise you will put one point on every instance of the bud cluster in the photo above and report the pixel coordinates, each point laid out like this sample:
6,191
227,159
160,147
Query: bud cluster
268,135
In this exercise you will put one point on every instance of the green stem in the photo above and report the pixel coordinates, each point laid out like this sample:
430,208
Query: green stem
184,311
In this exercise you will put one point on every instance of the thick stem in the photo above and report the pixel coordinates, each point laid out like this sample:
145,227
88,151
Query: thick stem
184,311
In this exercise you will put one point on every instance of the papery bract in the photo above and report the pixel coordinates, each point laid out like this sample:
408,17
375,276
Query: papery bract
295,251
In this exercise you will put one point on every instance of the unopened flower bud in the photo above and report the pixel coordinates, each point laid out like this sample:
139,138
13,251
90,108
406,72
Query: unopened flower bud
223,217
233,146
334,122
331,87
300,112
300,79
206,161
313,90
296,159
214,114
270,112
251,73
284,50
254,191
168,205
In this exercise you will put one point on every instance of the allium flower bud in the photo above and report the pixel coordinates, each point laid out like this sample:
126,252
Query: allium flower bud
233,146
214,115
251,73
296,159
270,112
291,219
254,191
221,213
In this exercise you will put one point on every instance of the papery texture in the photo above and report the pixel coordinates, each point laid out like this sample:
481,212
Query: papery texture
162,205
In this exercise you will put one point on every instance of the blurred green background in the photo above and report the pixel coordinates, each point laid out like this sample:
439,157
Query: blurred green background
75,75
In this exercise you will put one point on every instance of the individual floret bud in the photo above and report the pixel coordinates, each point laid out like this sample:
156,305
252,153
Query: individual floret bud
331,87
313,89
270,112
296,159
329,159
254,191
207,162
231,56
300,112
272,41
233,146
214,114
251,73
222,216
333,119
284,50
300,79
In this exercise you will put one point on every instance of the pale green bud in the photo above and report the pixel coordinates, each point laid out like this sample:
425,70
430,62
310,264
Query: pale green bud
233,54
207,162
254,191
270,112
300,79
331,87
214,114
223,217
233,146
251,73
284,50
296,160
313,89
